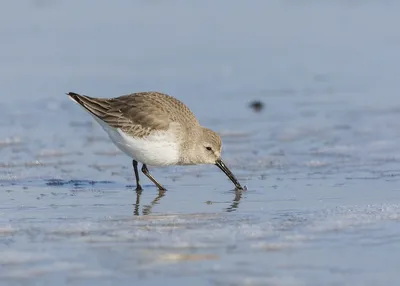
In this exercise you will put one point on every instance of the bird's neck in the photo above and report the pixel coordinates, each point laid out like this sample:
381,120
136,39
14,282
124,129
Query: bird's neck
189,147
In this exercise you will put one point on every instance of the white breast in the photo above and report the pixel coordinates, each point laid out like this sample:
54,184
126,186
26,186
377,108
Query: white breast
158,149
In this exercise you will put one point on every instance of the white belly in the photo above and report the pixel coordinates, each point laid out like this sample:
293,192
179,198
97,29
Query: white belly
158,149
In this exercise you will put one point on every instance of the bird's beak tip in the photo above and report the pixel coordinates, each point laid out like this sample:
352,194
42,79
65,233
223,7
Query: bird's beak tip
227,172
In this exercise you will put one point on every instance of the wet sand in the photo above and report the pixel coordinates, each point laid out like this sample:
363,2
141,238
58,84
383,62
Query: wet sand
321,160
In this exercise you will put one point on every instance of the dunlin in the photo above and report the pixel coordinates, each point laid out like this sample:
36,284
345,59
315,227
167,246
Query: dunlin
155,129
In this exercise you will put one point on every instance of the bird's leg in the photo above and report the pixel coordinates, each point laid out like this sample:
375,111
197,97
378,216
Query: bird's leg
135,169
147,173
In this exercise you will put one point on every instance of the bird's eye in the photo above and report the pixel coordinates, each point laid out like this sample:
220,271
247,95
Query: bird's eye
208,148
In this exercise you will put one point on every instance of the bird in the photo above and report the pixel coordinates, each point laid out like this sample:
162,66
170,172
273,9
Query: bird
155,129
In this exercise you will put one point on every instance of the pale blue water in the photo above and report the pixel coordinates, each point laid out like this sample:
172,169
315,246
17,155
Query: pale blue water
321,161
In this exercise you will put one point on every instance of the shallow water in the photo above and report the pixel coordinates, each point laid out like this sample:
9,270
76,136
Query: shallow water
321,161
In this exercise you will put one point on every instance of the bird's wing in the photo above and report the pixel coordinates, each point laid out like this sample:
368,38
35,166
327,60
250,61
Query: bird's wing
137,114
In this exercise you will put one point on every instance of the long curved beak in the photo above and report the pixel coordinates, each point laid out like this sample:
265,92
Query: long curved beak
227,172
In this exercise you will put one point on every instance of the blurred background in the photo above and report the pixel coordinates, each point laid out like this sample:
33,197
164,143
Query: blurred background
304,93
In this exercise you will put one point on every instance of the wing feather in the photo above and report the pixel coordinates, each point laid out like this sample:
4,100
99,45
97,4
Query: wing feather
137,114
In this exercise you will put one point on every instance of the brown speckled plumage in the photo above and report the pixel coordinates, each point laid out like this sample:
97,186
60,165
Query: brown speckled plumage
138,114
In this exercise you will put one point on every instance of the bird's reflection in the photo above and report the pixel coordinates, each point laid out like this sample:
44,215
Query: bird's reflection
146,208
235,204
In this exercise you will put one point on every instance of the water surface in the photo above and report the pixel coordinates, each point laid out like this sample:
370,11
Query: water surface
321,160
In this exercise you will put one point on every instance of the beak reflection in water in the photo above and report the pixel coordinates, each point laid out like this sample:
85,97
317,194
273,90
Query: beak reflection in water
227,172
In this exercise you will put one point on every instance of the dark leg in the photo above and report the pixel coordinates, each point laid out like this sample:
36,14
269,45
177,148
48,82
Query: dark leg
147,173
135,169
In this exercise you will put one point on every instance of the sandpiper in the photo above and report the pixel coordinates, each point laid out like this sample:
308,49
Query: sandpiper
157,130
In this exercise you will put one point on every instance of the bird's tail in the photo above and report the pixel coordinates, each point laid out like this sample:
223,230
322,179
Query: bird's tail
96,106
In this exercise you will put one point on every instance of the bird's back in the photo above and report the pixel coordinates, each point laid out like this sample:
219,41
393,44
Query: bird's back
155,104
139,113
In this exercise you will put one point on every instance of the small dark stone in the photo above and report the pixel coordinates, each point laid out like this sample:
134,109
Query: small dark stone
256,105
